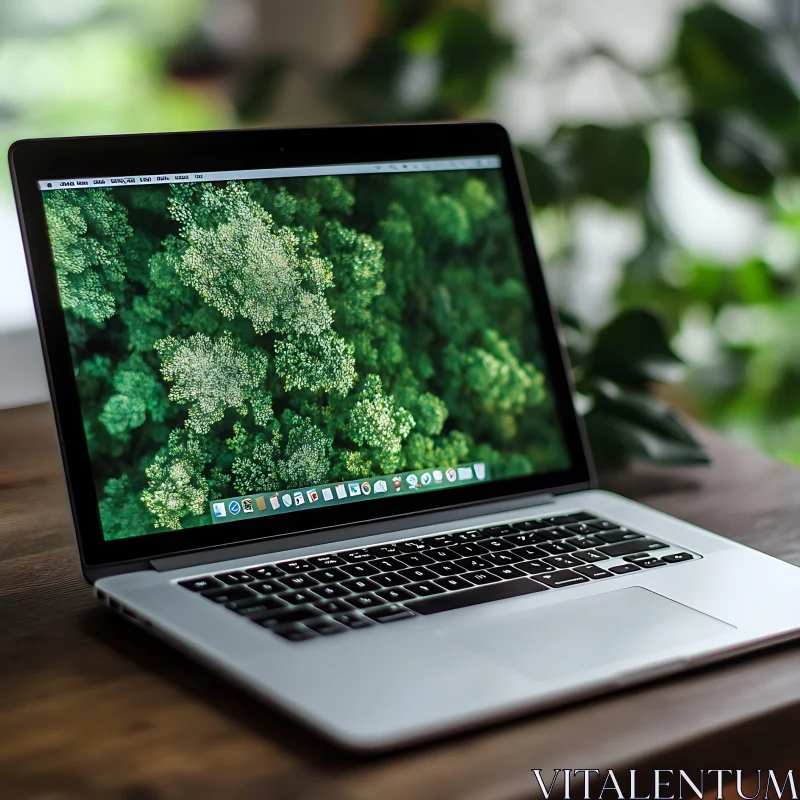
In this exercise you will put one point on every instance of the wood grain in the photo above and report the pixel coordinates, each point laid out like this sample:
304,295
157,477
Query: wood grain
91,707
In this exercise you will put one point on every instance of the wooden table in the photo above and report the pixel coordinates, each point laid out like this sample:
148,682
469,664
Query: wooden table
91,707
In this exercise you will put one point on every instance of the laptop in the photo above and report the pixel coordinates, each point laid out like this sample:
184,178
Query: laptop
318,432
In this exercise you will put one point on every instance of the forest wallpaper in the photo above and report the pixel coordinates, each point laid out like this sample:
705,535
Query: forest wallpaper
251,336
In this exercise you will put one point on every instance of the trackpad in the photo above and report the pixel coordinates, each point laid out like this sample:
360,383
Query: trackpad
588,633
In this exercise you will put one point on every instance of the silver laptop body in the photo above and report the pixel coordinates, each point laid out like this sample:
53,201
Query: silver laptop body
381,608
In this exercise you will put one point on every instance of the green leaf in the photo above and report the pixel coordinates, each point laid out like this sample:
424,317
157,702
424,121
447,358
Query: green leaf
754,282
616,441
457,45
730,64
471,53
633,350
738,152
627,425
610,163
540,177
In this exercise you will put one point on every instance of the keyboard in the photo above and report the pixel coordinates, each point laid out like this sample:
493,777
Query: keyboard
348,590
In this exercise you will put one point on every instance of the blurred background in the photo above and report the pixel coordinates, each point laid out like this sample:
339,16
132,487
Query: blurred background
661,144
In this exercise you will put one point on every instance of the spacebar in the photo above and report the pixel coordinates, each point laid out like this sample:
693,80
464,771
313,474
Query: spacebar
472,597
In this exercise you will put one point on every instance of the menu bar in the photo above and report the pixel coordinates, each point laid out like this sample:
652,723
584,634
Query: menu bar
387,167
290,500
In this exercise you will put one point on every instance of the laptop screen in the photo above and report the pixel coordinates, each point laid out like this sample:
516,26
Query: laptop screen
258,343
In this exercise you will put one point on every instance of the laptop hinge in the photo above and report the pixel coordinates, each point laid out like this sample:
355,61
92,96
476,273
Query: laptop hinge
333,535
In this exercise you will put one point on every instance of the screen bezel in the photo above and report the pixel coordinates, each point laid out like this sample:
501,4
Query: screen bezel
34,160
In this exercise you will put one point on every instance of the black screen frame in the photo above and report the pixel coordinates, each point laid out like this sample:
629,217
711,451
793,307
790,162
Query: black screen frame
35,160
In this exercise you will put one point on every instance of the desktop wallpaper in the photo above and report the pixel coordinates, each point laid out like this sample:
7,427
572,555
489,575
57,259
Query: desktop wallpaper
252,336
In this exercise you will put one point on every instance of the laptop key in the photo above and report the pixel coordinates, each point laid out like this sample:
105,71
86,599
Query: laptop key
326,561
506,573
417,574
674,558
415,559
441,554
384,550
266,587
227,595
297,581
392,613
518,539
329,575
621,535
468,549
590,556
556,548
294,633
412,546
368,600
628,548
262,607
353,620
424,589
496,545
584,542
529,552
649,563
562,562
444,540
472,564
446,569
553,534
331,591
536,567
255,602
333,606
451,601
481,577
276,618
354,556
604,524
581,528
297,598
566,519
531,525
358,585
265,572
297,565
504,559
390,579
563,577
360,570
201,584
453,584
593,572
234,578
624,569
498,530
468,536
325,627
387,564
396,595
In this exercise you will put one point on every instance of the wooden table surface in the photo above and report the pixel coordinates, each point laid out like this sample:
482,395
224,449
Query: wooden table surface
91,707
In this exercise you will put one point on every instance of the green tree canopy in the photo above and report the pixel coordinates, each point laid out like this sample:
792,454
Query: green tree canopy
88,231
259,336
212,375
